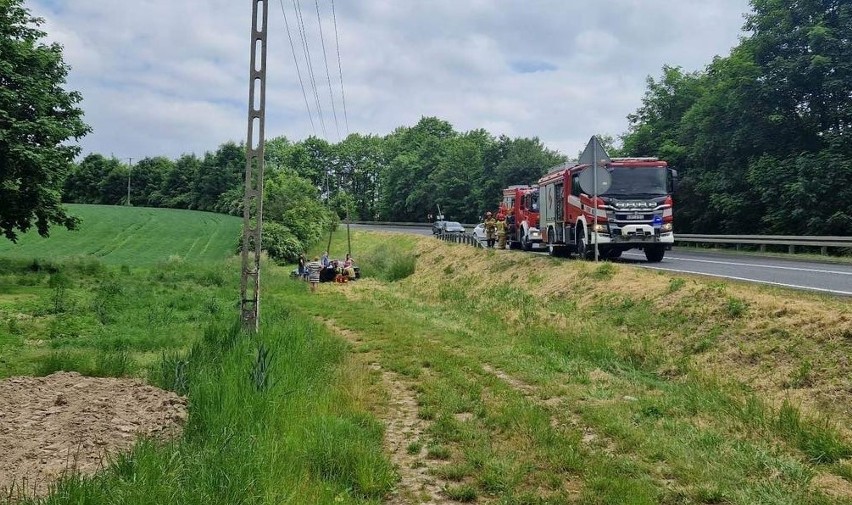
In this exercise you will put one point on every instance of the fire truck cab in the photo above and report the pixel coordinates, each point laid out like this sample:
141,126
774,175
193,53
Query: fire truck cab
635,211
520,207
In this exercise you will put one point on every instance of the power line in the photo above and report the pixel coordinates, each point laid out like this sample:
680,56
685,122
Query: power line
340,67
298,72
308,59
327,73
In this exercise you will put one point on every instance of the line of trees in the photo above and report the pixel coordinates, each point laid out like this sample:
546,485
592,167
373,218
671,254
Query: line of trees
403,176
763,136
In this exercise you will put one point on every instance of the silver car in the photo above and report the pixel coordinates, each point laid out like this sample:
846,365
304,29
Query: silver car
453,227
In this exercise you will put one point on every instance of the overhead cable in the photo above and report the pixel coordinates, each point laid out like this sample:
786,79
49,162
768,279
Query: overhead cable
340,67
298,71
327,73
308,59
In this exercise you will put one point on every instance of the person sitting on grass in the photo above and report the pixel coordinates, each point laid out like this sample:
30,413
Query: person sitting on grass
349,267
313,271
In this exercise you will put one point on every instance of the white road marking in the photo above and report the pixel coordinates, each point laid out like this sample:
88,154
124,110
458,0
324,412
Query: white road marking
796,286
817,270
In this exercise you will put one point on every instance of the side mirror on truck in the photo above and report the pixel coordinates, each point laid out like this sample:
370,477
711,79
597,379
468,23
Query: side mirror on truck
671,181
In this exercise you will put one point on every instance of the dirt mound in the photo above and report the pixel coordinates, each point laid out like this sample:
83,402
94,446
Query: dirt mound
67,421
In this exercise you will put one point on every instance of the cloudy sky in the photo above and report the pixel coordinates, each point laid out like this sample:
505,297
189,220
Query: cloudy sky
164,77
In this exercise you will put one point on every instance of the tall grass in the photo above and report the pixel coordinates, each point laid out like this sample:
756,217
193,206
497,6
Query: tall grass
81,315
297,439
389,262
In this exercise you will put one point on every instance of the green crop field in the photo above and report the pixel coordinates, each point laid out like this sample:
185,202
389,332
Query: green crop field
133,236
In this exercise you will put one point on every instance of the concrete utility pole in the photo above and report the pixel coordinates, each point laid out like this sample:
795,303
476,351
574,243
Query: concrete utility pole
253,198
129,169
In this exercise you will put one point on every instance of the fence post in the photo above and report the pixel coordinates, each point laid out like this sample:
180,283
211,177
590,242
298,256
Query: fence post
792,249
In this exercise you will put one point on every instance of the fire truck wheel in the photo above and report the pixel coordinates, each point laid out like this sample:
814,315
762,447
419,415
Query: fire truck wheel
654,254
583,250
525,244
613,254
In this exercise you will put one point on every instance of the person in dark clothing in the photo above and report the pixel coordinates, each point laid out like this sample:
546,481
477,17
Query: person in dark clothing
303,272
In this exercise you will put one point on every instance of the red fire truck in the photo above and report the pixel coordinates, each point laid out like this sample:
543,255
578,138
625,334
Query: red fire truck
520,208
634,211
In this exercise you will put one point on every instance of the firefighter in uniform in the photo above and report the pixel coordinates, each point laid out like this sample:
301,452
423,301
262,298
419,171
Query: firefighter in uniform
501,231
490,229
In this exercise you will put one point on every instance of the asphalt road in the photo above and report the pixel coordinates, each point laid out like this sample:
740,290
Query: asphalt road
828,278
791,273
417,230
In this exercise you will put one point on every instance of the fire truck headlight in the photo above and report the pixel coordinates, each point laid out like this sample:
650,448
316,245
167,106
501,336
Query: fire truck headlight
600,228
667,227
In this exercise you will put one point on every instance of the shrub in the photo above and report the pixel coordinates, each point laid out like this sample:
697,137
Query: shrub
279,242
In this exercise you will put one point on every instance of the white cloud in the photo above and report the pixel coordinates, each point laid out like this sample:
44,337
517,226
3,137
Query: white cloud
166,77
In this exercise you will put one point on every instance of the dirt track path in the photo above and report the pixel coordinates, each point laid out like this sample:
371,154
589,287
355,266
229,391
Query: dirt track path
404,432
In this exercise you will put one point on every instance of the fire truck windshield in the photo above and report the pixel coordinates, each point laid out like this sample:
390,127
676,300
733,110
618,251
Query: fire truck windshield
534,201
633,181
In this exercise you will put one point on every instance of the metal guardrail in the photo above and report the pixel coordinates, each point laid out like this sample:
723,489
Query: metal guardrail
790,241
413,225
389,223
461,238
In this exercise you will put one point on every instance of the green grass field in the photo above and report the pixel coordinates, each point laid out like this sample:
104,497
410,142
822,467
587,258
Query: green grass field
133,236
629,391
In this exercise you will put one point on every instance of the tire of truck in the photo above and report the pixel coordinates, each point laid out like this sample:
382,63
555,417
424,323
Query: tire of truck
526,245
613,254
583,249
655,253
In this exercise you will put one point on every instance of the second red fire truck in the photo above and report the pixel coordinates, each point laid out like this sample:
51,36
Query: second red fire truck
520,208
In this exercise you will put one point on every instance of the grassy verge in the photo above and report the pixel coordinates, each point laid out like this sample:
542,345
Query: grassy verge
280,417
630,390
